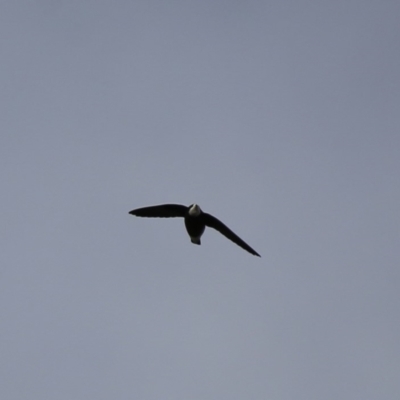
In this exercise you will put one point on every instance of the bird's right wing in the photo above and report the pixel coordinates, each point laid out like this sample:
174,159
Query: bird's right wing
161,211
215,223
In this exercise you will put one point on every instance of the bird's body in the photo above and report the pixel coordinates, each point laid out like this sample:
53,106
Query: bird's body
195,221
195,225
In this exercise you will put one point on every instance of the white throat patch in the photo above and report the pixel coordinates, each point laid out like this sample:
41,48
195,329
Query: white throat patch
194,210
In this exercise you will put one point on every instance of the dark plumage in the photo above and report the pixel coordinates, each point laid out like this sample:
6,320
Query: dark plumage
195,221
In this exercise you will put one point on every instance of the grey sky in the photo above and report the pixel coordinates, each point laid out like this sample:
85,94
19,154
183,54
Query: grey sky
281,118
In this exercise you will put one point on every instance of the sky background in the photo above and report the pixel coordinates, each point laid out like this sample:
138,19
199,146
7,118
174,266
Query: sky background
281,118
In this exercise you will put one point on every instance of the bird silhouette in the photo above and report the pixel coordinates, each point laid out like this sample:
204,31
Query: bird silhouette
195,221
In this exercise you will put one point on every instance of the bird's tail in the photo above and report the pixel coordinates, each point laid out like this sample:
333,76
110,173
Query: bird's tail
196,241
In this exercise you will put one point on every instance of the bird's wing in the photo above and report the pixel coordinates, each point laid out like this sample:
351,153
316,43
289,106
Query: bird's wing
161,211
215,223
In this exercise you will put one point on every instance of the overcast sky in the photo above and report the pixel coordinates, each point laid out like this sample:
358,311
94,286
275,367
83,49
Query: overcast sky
281,118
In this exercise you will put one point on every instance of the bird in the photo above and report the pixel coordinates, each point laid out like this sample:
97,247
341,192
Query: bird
195,221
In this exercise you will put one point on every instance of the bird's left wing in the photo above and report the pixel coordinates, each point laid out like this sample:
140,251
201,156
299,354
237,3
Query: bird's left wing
215,223
161,211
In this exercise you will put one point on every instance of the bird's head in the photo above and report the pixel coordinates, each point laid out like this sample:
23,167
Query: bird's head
194,210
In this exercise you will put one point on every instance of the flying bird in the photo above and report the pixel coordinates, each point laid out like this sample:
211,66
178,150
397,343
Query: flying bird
195,221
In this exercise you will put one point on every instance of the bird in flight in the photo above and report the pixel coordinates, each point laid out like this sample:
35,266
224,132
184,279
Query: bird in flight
195,221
